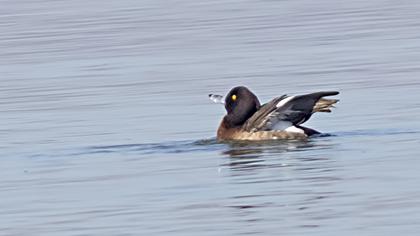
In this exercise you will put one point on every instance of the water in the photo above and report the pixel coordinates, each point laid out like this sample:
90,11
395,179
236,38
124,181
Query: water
106,127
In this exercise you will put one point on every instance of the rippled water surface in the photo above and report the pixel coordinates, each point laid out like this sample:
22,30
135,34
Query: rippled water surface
106,127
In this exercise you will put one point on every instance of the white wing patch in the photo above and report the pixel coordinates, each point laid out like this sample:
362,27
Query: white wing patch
282,125
294,129
287,126
284,101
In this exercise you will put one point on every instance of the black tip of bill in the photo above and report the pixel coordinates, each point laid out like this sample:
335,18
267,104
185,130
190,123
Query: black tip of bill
217,98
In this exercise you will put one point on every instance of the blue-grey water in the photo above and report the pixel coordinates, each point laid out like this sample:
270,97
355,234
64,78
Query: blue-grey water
106,127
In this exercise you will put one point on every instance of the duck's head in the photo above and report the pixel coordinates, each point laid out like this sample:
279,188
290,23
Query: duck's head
240,104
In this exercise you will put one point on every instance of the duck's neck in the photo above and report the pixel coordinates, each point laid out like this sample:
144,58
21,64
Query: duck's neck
226,131
239,117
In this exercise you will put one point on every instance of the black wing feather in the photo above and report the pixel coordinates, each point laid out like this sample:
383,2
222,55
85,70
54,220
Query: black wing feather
300,108
296,111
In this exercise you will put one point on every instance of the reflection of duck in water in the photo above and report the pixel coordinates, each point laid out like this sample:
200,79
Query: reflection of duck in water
256,149
281,118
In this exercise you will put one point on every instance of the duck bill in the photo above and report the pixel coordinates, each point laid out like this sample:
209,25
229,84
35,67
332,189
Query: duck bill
217,98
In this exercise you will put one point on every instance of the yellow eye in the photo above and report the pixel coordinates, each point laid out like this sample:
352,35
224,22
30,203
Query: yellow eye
233,97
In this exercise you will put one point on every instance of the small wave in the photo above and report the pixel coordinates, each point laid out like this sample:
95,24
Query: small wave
375,132
155,148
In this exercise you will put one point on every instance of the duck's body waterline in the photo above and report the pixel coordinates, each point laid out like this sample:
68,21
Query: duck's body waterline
225,133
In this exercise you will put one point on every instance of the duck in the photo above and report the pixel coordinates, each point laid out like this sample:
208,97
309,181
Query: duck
279,119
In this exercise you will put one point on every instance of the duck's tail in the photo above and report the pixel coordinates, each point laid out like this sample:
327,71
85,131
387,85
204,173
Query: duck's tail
324,105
